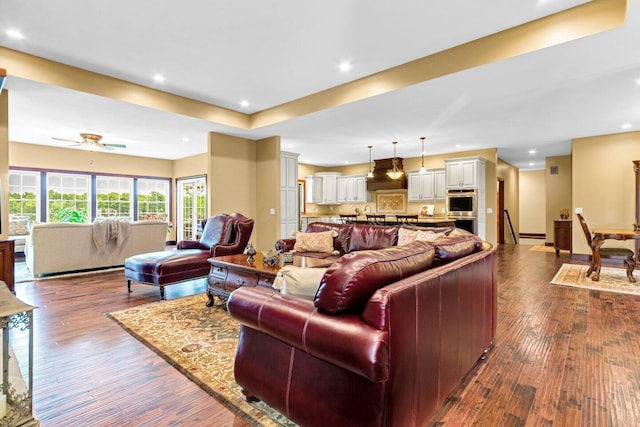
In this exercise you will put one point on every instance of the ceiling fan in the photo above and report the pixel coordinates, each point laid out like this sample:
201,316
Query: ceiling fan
91,141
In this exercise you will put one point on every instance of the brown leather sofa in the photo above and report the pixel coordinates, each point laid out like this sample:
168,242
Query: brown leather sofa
388,336
222,235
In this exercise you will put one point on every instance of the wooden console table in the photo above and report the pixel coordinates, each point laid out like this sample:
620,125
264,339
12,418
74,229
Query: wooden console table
562,235
7,259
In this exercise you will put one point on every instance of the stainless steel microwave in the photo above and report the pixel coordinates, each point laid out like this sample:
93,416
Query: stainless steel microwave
462,203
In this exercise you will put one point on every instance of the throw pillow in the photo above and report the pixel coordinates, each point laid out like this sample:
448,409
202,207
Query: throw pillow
314,242
428,236
18,227
406,236
299,281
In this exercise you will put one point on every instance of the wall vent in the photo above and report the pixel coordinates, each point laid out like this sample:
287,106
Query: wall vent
553,170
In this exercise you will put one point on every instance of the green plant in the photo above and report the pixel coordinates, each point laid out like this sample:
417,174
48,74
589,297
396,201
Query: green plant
71,215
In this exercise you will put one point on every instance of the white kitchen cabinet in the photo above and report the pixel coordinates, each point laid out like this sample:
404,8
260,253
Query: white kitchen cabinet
289,206
322,188
313,189
464,173
440,184
352,189
426,186
421,186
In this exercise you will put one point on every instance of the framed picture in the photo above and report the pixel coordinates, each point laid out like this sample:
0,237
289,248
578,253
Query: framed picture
391,203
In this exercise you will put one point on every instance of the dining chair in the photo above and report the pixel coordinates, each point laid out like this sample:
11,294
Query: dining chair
407,218
622,253
376,219
348,219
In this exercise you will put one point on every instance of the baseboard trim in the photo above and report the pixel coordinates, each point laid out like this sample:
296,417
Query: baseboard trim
533,236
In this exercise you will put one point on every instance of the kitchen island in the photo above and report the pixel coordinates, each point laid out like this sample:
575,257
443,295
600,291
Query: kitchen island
390,219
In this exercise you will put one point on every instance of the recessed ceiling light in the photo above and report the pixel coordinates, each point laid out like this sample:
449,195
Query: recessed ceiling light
158,78
346,162
532,151
458,145
626,126
244,103
185,139
345,66
531,164
15,34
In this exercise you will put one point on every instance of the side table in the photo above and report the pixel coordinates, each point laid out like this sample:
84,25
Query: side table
562,235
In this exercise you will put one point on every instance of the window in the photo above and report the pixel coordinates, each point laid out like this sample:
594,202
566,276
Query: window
24,194
68,197
114,197
153,199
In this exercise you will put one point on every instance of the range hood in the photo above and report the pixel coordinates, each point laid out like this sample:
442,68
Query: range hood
381,181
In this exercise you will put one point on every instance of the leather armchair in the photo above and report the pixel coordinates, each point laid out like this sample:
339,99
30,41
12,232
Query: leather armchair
240,235
217,230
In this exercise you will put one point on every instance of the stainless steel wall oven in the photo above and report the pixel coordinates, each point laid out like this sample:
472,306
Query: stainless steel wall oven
462,203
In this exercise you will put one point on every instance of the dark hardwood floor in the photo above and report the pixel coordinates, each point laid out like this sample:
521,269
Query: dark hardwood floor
562,356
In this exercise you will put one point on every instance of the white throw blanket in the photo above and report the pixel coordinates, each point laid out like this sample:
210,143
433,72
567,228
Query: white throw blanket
110,229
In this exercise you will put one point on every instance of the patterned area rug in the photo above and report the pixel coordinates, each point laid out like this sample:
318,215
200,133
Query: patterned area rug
201,343
611,279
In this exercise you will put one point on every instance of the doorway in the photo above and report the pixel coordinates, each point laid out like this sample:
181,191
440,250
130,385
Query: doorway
500,211
191,207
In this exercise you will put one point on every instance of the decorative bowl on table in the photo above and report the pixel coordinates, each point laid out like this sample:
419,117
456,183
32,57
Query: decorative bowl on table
271,257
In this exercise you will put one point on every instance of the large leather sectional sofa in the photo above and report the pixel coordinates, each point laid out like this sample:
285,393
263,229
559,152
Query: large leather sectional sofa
391,330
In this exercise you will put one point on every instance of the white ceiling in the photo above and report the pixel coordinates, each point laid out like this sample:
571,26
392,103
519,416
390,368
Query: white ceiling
273,51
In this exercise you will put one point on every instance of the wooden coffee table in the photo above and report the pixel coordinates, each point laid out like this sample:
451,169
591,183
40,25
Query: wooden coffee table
230,272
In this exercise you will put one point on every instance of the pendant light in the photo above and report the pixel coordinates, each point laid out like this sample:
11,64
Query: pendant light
395,172
422,169
370,174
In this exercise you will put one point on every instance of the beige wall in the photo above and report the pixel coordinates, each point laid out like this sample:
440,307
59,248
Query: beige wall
511,178
533,198
267,197
604,184
232,172
558,191
44,157
190,166
4,164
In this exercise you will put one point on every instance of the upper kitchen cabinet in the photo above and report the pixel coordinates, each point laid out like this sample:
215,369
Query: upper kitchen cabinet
465,173
352,189
426,186
322,188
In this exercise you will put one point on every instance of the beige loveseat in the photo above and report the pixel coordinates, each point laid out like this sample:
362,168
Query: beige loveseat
61,247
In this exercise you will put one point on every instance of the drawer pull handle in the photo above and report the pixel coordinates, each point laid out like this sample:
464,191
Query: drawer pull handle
240,282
